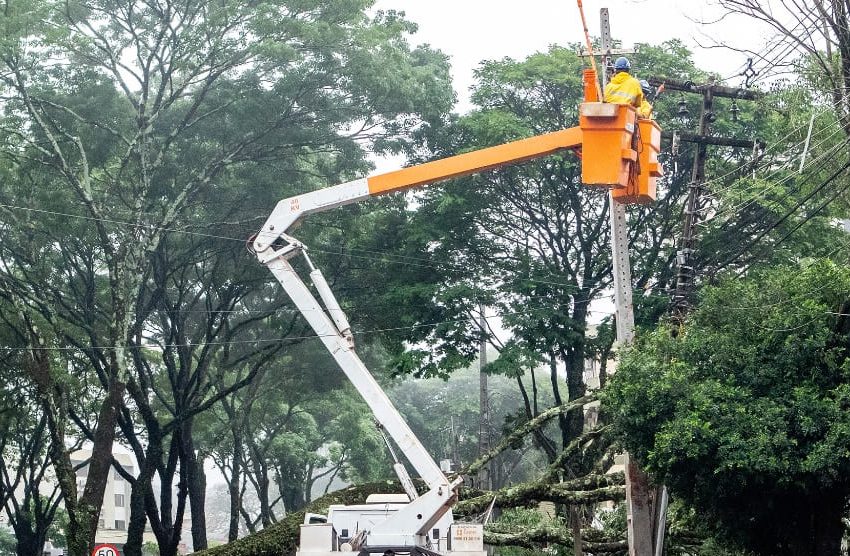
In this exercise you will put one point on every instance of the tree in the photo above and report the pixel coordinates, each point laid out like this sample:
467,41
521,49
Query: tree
160,113
31,499
531,242
443,415
743,415
295,425
528,240
815,30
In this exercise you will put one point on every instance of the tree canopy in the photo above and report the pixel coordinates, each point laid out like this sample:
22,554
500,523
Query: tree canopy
744,415
138,141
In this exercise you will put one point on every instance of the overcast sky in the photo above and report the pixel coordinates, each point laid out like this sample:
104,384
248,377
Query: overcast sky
474,30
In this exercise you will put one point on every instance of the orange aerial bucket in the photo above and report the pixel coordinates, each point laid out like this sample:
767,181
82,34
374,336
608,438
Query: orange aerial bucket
643,189
607,153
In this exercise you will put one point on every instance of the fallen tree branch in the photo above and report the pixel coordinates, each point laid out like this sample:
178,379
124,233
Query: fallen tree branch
584,490
523,430
282,537
533,538
579,443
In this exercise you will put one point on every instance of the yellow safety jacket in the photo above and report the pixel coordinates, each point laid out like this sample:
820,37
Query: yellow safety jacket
624,89
645,110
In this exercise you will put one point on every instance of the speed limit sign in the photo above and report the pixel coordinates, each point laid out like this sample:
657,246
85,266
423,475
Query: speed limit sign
105,550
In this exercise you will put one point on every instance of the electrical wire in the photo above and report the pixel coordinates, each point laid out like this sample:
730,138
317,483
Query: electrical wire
793,328
216,236
475,319
766,188
788,214
819,142
746,163
427,263
572,303
351,252
730,211
800,224
767,150
788,47
748,220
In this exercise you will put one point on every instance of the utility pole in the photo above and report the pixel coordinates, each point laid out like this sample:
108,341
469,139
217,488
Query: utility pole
485,478
455,451
686,275
640,514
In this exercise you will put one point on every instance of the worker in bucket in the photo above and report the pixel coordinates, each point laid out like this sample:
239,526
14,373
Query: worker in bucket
645,109
623,88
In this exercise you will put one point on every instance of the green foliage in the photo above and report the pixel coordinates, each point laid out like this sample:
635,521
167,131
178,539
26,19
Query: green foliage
8,542
767,197
614,521
687,532
58,528
743,415
519,519
140,145
528,240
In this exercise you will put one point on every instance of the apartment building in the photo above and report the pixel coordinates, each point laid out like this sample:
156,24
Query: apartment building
115,512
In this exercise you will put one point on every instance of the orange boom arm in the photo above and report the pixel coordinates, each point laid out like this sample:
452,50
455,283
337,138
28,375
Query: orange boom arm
604,137
475,161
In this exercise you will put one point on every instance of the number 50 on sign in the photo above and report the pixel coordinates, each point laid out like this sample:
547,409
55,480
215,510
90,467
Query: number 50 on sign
105,550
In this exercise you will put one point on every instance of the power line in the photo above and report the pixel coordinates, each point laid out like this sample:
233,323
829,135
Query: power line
763,161
779,42
788,214
768,149
436,305
473,319
800,224
425,264
764,189
761,194
794,328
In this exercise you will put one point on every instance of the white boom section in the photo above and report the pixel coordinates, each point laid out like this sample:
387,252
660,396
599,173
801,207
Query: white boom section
331,326
288,211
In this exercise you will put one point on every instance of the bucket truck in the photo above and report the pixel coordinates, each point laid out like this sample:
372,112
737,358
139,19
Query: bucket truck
413,523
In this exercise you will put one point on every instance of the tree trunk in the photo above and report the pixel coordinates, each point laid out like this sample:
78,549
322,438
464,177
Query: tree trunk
197,503
574,361
27,541
575,524
261,476
234,487
138,510
576,388
196,485
828,511
100,464
137,521
83,513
